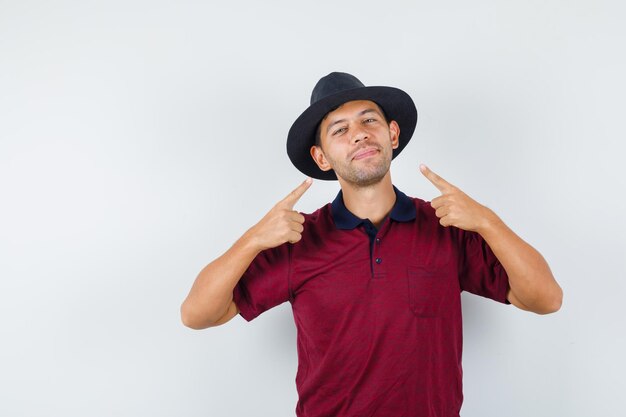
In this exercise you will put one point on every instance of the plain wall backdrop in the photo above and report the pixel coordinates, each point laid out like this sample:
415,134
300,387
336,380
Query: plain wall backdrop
140,139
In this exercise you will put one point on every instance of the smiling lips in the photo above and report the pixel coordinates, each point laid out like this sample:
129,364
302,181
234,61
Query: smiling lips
365,153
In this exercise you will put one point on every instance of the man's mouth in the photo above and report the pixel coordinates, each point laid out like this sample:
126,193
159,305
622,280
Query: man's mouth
365,153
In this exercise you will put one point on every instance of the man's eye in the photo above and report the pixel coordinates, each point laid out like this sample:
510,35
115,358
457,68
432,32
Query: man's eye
370,120
340,130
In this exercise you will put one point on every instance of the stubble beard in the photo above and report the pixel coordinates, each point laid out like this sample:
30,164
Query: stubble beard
367,174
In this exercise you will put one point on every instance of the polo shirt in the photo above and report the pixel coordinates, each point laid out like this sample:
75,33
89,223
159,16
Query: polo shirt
377,312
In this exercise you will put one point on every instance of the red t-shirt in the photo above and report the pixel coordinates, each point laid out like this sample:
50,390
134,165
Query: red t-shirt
379,329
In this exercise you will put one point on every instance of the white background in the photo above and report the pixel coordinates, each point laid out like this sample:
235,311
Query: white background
140,139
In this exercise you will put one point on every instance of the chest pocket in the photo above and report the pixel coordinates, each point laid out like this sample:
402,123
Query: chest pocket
429,290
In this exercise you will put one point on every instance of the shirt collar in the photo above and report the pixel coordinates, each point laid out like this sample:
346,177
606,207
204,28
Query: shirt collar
403,211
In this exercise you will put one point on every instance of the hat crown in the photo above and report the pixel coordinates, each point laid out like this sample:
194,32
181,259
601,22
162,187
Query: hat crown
333,83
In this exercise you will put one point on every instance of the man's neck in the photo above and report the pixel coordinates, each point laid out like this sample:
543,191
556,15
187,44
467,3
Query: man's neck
373,202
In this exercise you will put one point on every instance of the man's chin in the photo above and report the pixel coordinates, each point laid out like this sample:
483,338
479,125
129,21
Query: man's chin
364,181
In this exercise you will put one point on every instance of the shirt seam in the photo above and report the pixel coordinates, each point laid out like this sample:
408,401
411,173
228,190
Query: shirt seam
289,269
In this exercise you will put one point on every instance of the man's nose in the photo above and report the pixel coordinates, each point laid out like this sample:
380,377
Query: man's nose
359,134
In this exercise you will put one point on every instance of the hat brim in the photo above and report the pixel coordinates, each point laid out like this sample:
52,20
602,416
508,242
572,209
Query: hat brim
396,104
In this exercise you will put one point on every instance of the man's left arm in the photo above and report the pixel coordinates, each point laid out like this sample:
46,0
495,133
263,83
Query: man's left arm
532,285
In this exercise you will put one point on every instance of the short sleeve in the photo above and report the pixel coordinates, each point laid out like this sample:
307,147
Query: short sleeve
265,284
480,272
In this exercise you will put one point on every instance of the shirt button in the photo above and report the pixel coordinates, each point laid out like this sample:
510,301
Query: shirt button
378,260
377,240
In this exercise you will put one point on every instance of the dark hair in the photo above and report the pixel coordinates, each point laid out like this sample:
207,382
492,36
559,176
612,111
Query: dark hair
318,136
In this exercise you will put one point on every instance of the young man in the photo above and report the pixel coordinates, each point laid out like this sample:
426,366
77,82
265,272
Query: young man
375,277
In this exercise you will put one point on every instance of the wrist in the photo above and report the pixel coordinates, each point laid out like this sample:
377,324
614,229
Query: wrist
489,224
251,242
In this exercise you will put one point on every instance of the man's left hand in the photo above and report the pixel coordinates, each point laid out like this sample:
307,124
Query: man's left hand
454,207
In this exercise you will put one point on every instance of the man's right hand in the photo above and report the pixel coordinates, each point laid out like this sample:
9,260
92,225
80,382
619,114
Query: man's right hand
282,223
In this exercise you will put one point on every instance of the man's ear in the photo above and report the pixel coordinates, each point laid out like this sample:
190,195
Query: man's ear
394,133
320,159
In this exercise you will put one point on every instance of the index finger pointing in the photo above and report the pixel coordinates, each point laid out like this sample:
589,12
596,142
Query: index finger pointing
441,184
293,197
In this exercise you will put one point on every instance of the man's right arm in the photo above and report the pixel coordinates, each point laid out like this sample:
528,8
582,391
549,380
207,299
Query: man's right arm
210,300
211,295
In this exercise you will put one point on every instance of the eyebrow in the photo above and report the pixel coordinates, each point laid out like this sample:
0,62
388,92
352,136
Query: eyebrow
343,120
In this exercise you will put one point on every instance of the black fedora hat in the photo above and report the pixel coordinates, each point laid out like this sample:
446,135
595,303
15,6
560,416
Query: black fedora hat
332,91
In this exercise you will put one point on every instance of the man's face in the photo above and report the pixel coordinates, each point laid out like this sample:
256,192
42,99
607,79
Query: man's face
356,143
